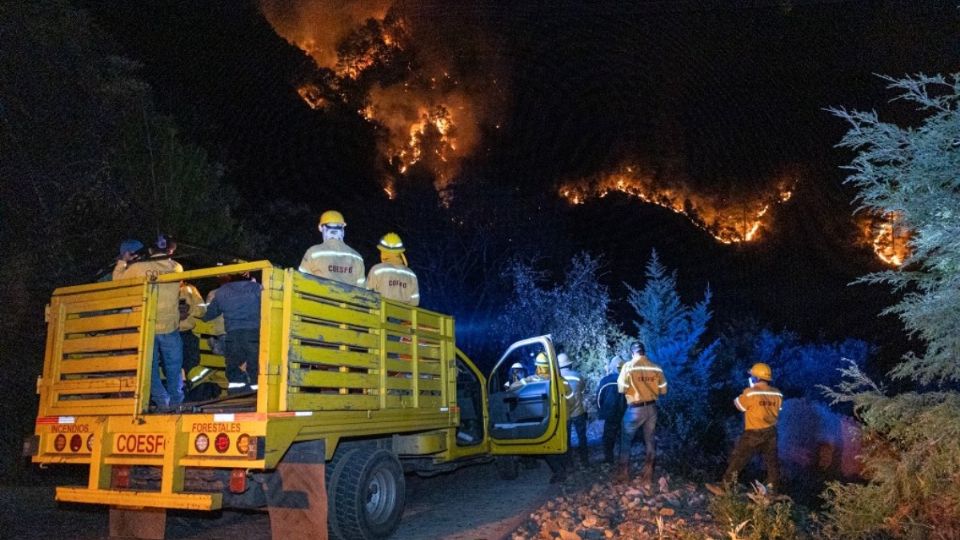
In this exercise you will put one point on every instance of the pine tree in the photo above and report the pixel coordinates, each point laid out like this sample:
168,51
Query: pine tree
911,451
672,334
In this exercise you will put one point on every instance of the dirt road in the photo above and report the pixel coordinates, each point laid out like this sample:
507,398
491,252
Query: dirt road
471,503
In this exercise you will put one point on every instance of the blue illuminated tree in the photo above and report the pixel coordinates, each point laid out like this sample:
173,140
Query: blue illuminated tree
673,333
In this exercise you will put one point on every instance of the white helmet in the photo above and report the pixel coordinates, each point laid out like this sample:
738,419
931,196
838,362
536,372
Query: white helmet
564,360
516,365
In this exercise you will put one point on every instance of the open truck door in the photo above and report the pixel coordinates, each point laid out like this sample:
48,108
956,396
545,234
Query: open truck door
527,411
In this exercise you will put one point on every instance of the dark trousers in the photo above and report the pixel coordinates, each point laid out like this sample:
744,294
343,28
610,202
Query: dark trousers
191,352
611,432
751,442
580,424
242,347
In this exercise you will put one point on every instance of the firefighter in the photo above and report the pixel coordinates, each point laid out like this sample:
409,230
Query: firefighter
576,409
610,405
515,376
642,382
167,344
760,404
392,277
190,309
334,259
239,303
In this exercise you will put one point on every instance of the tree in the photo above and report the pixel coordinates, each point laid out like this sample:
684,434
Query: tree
671,333
911,452
574,312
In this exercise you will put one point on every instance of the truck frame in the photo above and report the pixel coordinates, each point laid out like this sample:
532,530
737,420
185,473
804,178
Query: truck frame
353,391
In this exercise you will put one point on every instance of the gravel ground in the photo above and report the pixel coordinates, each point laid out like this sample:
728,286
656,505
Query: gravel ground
468,504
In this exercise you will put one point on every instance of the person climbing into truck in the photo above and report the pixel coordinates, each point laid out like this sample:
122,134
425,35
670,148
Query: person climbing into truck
392,276
167,343
333,258
239,302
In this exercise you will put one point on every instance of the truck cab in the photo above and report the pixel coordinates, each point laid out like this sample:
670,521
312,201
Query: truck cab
353,390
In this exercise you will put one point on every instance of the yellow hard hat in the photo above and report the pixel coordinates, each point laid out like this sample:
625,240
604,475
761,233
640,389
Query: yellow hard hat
391,242
762,371
541,360
332,218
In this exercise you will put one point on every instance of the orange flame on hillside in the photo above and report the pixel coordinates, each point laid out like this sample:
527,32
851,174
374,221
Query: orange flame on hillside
428,119
728,222
886,237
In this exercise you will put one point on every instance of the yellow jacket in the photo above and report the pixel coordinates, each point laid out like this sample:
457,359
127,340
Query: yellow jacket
760,405
396,282
333,259
641,380
195,309
168,297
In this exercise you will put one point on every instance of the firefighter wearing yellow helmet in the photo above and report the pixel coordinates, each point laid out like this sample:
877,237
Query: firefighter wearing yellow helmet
392,277
334,259
760,404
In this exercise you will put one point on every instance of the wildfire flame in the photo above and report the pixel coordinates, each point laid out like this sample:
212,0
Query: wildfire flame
886,237
729,223
427,118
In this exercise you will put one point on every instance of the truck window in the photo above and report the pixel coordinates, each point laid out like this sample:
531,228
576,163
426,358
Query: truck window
520,396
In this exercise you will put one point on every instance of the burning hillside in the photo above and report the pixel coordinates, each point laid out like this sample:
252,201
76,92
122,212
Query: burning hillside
375,58
886,237
729,222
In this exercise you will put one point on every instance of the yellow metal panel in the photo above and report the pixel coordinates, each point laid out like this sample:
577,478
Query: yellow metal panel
309,306
399,383
330,335
145,499
124,362
299,401
337,291
430,353
332,379
431,402
426,366
333,357
148,461
97,406
102,385
100,323
101,343
132,291
421,443
126,302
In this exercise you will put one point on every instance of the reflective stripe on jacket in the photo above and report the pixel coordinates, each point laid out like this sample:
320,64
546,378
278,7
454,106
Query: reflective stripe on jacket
573,391
396,282
333,259
760,405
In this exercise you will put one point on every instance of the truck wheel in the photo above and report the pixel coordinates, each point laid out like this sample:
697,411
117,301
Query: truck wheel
508,467
367,493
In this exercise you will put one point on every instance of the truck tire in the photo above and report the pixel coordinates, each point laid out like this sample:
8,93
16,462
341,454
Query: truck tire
367,492
508,467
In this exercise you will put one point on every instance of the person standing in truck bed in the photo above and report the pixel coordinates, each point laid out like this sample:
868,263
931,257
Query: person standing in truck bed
239,303
334,259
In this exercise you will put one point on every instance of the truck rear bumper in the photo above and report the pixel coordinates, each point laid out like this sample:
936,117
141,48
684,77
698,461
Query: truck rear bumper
141,499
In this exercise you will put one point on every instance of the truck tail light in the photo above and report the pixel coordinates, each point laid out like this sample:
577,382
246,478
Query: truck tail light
120,476
238,480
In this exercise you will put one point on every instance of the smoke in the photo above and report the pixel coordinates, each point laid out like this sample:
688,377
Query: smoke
428,91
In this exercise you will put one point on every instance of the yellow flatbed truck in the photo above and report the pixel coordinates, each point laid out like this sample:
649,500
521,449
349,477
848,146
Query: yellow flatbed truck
353,391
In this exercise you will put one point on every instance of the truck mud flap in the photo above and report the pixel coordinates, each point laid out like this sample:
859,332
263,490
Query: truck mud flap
297,494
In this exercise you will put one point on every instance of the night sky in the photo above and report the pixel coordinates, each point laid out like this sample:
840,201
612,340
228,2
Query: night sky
718,99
